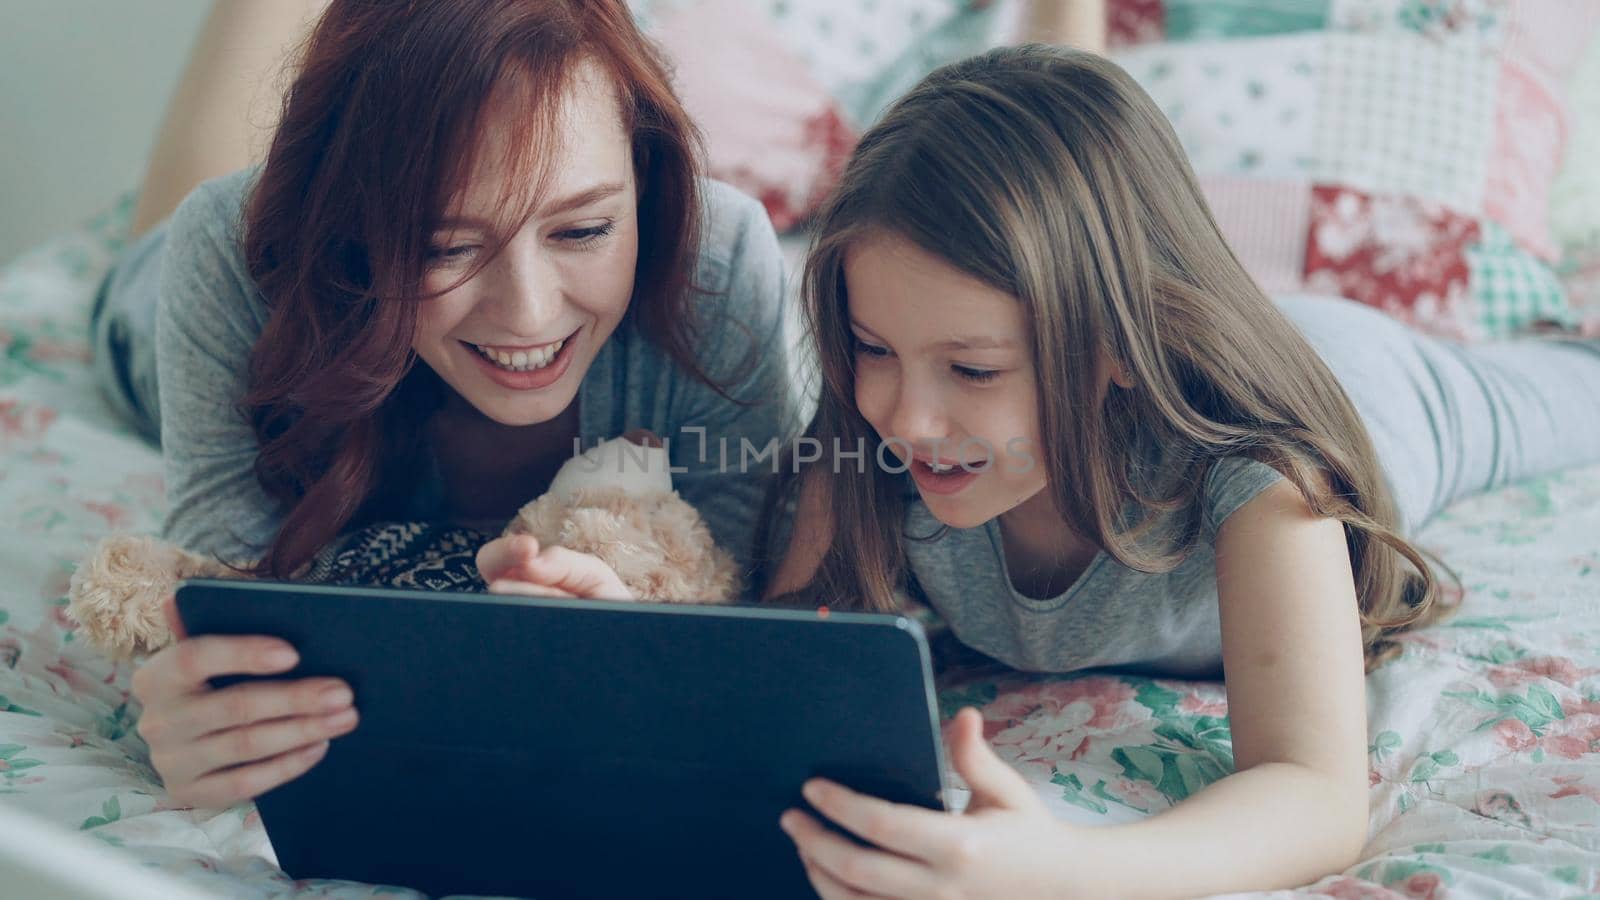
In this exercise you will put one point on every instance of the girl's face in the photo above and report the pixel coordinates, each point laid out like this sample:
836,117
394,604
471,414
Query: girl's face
945,376
516,339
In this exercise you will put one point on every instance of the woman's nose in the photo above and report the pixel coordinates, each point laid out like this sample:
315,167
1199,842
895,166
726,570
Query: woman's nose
524,294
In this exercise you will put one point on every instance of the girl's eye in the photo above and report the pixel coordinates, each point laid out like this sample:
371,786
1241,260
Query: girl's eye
585,236
978,375
872,350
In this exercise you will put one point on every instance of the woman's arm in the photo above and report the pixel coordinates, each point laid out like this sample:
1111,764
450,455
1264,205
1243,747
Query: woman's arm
207,322
742,346
1296,809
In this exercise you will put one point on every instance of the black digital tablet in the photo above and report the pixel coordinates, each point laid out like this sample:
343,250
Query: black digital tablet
573,748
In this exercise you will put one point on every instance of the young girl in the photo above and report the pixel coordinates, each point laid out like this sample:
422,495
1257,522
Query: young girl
1120,452
478,237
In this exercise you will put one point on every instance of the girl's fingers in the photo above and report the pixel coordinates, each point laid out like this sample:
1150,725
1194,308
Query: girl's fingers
827,886
220,790
910,831
993,783
859,868
255,743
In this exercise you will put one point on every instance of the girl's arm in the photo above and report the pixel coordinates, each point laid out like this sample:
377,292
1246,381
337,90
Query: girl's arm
809,537
1296,809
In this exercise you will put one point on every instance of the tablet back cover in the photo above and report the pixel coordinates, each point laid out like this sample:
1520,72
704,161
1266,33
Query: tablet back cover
579,749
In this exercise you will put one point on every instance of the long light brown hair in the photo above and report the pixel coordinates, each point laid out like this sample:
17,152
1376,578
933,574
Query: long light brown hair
1048,174
378,129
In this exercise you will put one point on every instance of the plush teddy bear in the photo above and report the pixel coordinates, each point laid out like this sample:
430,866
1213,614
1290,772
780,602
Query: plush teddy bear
615,501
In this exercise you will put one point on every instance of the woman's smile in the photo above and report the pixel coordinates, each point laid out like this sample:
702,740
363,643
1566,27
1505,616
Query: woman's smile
526,369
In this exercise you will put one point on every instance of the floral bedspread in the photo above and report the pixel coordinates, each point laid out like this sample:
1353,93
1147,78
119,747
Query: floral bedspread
1484,735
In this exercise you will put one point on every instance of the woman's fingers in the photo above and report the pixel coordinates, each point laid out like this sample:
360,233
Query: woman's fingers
257,742
169,611
245,704
507,557
185,667
526,589
220,790
215,748
579,574
517,564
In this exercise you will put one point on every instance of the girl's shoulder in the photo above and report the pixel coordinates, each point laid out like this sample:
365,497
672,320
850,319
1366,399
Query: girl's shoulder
1232,482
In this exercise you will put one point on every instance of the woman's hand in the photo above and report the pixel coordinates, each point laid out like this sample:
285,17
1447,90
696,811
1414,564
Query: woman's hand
516,564
216,748
1006,844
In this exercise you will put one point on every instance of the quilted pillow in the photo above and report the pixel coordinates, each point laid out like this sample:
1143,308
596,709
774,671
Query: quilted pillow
1575,208
1399,152
782,89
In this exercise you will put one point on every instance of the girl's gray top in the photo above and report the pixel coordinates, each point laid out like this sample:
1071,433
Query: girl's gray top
1447,420
202,314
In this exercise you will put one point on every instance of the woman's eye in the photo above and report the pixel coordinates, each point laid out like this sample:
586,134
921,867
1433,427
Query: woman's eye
587,235
977,375
452,254
872,350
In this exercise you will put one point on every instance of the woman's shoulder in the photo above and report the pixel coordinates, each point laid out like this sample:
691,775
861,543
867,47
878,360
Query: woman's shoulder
739,283
736,237
204,242
206,289
213,212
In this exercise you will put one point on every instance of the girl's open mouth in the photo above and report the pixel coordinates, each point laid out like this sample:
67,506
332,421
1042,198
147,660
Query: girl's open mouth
944,479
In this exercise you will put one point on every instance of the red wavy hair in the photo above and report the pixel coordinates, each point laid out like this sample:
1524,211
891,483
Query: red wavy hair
378,129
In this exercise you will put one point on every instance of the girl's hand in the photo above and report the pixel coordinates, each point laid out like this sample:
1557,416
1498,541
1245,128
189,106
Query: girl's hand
516,564
1006,844
216,748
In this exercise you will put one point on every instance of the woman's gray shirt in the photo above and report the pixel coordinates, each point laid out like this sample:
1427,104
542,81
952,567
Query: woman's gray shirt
209,314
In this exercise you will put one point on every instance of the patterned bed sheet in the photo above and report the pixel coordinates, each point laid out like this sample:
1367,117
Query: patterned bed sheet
1484,736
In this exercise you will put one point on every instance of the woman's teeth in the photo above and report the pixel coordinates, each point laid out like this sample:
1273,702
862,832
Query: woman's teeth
940,469
522,361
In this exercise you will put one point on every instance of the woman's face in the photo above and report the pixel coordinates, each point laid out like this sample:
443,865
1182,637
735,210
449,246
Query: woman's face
943,368
516,339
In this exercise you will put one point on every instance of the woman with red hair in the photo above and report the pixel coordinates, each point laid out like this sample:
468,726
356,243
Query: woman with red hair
478,239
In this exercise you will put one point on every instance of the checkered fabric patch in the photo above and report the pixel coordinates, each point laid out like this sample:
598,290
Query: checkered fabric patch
1401,115
1513,289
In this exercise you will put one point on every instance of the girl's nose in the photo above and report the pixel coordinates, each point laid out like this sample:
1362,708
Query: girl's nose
919,415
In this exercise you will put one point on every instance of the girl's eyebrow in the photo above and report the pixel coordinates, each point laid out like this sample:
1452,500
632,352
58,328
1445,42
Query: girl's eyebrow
860,327
976,342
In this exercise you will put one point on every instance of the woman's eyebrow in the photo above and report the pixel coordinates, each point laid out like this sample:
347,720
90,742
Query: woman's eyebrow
567,204
583,198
